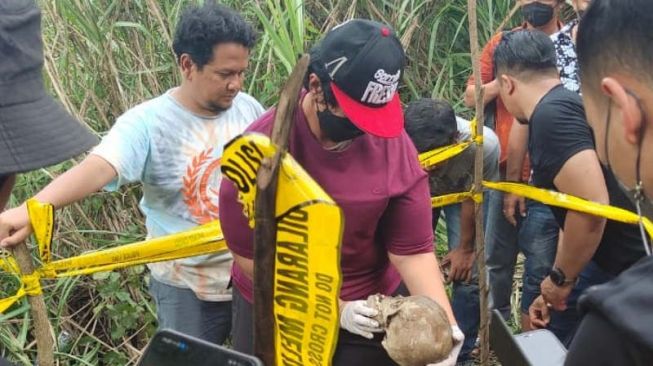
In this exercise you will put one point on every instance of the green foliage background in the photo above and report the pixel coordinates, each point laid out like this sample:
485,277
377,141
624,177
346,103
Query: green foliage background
105,56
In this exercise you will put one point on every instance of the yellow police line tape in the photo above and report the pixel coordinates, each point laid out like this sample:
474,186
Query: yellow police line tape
563,200
450,199
477,139
307,278
436,156
204,239
553,198
208,238
307,275
433,157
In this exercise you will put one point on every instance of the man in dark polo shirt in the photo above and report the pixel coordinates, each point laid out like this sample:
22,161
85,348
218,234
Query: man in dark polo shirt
614,51
591,250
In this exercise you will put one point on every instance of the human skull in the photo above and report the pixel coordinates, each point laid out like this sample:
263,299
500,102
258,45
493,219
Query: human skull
417,330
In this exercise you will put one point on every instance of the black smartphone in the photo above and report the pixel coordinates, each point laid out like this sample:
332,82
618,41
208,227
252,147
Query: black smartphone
170,348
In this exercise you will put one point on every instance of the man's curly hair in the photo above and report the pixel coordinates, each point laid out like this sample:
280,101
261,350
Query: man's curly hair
201,28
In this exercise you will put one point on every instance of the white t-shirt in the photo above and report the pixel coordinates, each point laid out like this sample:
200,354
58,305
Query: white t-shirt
175,154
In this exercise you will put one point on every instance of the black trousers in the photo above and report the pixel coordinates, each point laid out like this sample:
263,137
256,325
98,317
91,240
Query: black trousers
351,349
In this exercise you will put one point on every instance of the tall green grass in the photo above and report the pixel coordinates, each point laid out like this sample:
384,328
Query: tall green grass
105,56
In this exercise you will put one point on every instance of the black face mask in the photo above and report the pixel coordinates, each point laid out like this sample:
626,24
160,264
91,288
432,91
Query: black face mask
537,14
337,129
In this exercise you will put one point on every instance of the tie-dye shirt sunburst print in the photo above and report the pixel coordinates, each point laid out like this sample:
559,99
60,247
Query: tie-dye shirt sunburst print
175,154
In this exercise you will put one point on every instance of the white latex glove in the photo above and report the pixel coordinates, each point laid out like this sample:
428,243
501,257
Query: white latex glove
355,317
458,338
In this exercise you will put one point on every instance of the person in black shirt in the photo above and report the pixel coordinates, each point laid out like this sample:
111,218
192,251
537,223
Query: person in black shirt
561,149
614,52
559,131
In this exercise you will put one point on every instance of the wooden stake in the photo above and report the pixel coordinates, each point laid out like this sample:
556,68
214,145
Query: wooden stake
42,328
265,230
484,330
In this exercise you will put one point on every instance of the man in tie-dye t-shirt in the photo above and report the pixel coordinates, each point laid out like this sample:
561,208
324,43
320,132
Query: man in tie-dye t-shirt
172,145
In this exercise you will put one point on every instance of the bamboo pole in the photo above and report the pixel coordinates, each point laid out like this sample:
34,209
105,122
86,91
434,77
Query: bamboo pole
265,230
484,331
42,328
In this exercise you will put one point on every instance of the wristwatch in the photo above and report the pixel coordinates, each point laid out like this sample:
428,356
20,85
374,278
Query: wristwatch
559,279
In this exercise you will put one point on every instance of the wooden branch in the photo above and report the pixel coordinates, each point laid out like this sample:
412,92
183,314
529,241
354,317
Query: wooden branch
507,18
484,330
42,328
265,230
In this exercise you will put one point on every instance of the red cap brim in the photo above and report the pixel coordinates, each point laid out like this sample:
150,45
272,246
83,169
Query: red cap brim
386,121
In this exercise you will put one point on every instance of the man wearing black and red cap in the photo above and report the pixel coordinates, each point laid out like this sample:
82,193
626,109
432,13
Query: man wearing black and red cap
348,135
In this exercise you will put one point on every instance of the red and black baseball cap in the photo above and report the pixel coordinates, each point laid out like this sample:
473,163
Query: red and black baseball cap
364,61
